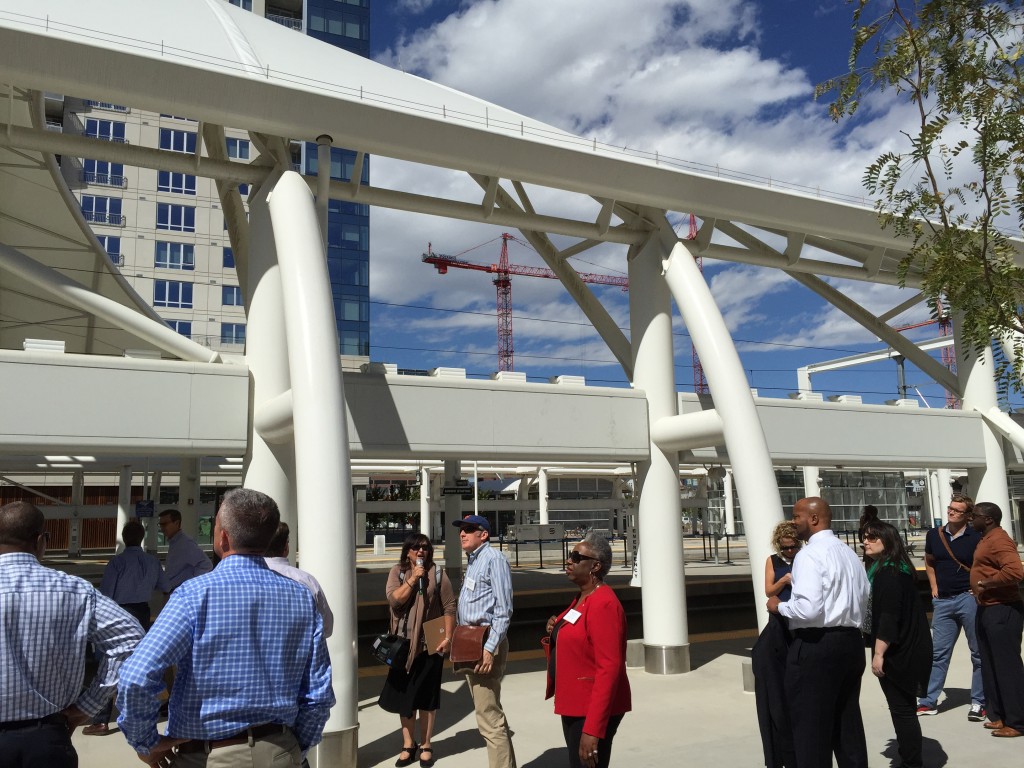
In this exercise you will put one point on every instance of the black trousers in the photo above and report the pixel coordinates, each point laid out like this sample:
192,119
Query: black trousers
572,729
999,629
903,711
823,674
47,745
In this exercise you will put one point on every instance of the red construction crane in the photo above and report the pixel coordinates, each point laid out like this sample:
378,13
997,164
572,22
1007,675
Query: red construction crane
503,283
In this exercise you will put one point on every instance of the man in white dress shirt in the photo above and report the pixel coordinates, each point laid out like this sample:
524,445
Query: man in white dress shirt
276,557
826,658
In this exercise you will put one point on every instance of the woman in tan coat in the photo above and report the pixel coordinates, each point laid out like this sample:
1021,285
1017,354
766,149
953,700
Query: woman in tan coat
417,591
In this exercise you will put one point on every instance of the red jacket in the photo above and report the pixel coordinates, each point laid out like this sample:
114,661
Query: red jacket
590,670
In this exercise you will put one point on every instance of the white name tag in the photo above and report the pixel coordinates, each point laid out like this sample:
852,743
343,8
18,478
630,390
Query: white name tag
470,584
572,616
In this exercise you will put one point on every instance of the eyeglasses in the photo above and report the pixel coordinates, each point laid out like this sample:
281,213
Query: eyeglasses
868,537
470,529
958,511
578,557
420,548
791,546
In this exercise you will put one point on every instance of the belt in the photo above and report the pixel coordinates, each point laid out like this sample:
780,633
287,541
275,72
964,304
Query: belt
818,631
242,737
946,595
55,719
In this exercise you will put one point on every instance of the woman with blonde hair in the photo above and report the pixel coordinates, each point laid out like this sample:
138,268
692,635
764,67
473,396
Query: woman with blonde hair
768,656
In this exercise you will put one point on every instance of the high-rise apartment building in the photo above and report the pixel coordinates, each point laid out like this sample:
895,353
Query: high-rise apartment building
166,230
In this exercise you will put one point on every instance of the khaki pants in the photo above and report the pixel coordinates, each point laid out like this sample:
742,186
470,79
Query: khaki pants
280,750
490,718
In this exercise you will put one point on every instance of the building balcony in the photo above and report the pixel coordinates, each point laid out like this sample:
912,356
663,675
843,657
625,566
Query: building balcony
110,219
104,179
115,139
286,21
53,125
106,105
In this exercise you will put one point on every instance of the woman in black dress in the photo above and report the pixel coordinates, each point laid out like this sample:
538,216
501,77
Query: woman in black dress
897,629
417,591
768,656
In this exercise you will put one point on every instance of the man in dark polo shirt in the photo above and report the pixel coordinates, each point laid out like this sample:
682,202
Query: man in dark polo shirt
948,557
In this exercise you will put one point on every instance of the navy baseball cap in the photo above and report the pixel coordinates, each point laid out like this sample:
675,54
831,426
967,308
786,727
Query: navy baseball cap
479,522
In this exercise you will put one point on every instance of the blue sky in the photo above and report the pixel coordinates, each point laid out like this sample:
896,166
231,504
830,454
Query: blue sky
727,82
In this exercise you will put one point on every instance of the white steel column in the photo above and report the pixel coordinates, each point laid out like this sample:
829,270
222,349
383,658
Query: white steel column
976,372
451,511
323,476
323,182
744,437
124,504
663,594
425,497
188,495
542,496
943,479
811,487
730,507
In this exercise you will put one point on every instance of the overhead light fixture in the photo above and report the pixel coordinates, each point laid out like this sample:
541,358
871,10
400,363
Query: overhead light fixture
57,458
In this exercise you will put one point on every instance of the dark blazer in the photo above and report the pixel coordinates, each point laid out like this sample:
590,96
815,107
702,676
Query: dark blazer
898,617
590,676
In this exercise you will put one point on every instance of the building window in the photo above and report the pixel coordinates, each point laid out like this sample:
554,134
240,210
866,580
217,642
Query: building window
184,327
177,218
175,256
108,130
243,189
232,333
102,172
245,5
105,105
229,259
112,245
354,343
238,149
177,141
171,293
102,210
354,308
183,183
231,296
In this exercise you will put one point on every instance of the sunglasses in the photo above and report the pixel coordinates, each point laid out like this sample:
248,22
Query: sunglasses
578,557
420,548
869,538
793,546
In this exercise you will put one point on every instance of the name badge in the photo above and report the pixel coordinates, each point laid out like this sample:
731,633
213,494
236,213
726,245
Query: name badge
470,584
572,616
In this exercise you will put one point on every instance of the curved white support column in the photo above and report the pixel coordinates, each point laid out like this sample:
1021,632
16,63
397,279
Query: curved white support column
322,463
744,437
666,636
687,431
542,496
976,373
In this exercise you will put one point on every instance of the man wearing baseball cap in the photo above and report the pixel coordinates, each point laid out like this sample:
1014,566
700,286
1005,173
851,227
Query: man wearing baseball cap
486,598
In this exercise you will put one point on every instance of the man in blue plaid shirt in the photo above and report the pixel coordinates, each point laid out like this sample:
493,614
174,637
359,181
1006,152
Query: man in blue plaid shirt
46,619
253,676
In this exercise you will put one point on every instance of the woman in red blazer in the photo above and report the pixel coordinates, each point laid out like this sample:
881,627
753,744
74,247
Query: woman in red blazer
587,658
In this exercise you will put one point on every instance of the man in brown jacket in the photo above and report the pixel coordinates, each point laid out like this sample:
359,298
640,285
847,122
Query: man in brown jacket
995,577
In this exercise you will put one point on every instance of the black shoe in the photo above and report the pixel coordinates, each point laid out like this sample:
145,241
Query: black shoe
976,713
401,762
426,762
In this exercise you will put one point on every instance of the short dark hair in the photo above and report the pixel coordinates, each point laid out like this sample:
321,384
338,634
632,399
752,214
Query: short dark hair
174,514
989,509
133,533
21,524
279,542
250,519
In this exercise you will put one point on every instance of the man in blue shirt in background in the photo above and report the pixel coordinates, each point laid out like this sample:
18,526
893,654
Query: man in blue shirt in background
253,676
185,560
948,565
486,598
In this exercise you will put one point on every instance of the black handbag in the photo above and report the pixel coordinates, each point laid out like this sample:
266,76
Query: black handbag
391,649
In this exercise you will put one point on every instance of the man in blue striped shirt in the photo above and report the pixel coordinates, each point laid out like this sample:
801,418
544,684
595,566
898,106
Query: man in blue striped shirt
46,619
486,598
253,676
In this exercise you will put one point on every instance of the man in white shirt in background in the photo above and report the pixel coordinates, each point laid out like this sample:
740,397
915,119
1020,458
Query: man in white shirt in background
826,658
277,560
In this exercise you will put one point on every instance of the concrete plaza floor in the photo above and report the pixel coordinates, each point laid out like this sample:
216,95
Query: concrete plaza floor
702,718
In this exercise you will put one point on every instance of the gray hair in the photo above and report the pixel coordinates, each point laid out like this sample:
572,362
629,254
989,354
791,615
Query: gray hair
602,551
250,519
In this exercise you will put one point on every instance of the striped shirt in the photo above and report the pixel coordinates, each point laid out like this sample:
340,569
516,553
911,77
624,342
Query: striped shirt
46,619
249,650
131,577
185,560
486,594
